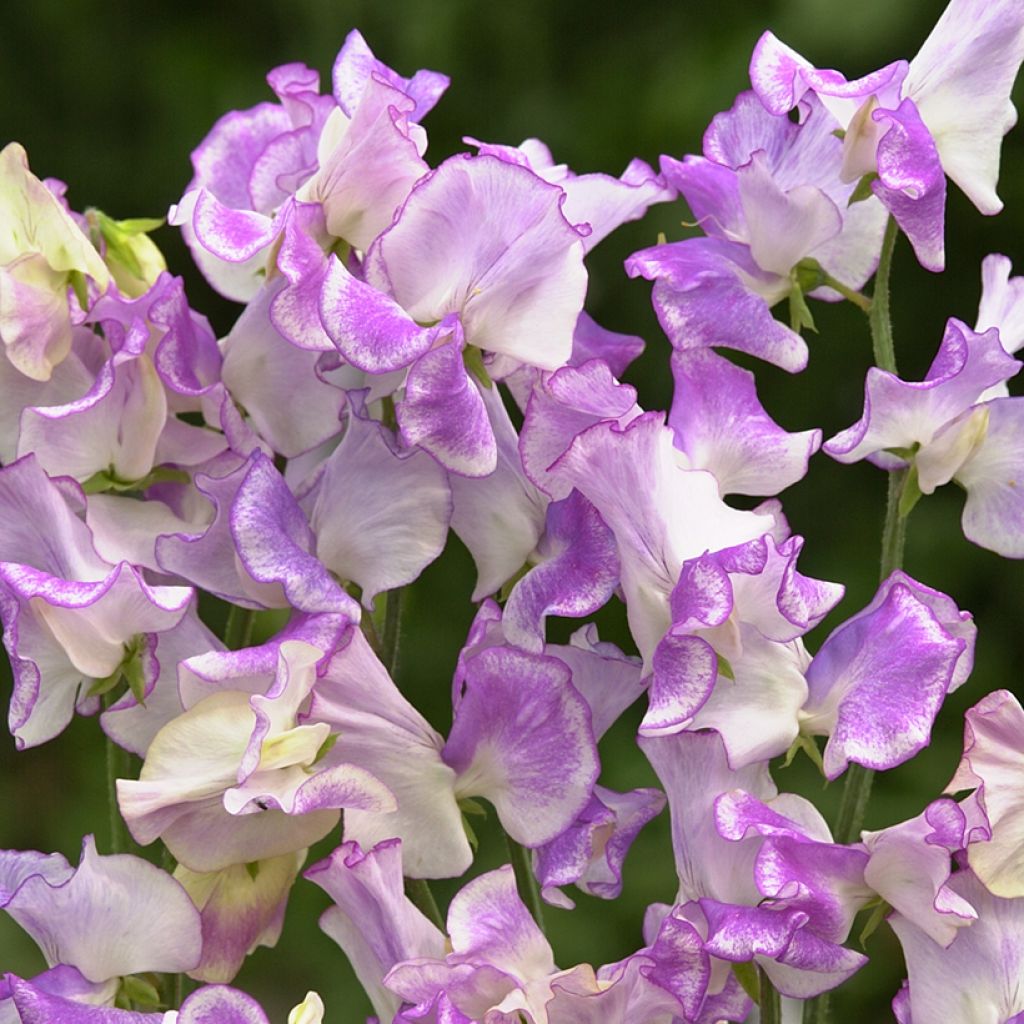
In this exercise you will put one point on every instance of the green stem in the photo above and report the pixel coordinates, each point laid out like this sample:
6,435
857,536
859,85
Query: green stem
860,301
771,1004
418,891
881,324
238,629
390,631
526,882
117,768
857,785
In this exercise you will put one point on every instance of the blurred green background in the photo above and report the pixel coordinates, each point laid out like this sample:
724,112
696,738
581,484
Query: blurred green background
112,96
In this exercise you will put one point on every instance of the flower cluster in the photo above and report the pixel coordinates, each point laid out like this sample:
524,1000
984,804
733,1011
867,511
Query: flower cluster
414,356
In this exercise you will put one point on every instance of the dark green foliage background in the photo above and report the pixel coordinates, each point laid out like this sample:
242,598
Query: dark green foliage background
112,96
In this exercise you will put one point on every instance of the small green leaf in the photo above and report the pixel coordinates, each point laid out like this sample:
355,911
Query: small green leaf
863,190
808,274
140,991
746,975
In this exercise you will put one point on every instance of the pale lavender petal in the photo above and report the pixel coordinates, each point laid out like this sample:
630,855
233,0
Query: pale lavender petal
488,922
900,414
500,518
591,341
380,515
487,240
722,427
1002,302
383,733
992,762
909,867
443,413
355,65
372,919
290,405
979,972
994,512
703,297
99,920
961,80
522,738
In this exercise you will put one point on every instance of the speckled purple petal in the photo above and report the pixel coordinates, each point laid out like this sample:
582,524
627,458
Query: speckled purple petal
722,427
577,572
443,413
911,183
560,407
522,738
32,1005
218,1004
878,681
703,298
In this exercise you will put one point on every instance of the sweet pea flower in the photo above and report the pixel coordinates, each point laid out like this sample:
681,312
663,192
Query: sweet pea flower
944,429
907,126
236,777
42,252
779,223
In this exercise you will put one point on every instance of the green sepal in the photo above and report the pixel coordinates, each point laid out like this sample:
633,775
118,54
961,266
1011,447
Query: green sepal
474,843
139,991
118,235
474,360
863,190
809,747
470,806
325,748
106,480
839,133
907,454
800,315
910,494
880,909
252,869
746,975
135,677
808,274
724,667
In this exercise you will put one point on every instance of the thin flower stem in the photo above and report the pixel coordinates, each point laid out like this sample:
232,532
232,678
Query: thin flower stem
526,882
117,768
238,629
881,324
857,785
771,1004
862,302
419,892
